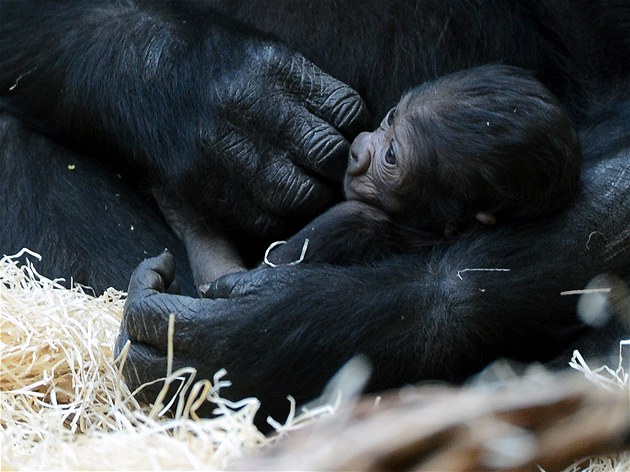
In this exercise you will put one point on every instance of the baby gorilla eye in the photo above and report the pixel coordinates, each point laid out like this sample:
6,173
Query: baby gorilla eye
390,155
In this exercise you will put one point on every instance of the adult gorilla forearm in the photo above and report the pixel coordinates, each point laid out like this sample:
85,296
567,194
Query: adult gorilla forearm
220,115
286,330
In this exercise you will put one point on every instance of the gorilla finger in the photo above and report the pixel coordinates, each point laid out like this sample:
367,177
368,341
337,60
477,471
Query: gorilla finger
225,286
317,146
142,362
285,190
152,275
239,284
146,318
330,99
143,365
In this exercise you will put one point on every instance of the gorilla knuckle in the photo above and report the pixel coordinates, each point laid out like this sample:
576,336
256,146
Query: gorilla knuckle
281,180
307,199
133,312
300,197
345,105
318,143
326,145
293,66
291,191
232,145
244,102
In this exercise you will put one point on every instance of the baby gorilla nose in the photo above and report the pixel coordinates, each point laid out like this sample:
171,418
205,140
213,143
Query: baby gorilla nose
359,160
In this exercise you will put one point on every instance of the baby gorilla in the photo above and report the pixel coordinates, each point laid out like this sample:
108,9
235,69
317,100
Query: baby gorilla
480,146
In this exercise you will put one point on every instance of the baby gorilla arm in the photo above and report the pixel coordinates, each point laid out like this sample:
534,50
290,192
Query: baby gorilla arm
350,232
210,252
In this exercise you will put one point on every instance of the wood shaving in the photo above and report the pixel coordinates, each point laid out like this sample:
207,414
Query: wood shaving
64,403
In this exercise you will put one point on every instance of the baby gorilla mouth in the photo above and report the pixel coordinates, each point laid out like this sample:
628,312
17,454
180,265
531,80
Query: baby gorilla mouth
355,189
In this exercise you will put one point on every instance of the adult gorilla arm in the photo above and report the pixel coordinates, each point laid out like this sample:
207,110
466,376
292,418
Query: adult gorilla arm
286,330
223,117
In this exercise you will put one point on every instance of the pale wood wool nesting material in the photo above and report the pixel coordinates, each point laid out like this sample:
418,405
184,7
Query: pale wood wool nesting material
64,404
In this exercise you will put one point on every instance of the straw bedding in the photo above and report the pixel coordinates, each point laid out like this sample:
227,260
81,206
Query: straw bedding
64,405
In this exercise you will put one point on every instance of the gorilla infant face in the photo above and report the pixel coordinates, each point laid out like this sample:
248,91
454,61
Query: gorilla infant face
463,149
380,166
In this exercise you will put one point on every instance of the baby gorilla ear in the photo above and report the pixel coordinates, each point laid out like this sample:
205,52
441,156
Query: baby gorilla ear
486,218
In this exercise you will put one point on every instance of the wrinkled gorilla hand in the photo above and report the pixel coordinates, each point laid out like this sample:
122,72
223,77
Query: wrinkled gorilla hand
145,324
226,118
241,334
282,123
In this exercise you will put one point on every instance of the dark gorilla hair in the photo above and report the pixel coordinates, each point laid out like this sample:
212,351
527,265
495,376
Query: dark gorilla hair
493,151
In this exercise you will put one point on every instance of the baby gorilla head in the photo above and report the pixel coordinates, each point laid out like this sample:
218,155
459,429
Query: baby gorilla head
481,143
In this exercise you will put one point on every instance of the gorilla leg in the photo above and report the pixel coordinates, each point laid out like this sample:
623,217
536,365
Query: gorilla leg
78,216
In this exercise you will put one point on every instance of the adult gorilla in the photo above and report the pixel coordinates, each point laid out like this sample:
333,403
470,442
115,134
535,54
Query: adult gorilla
183,98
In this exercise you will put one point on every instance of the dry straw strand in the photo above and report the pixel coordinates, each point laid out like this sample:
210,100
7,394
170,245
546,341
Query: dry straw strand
64,404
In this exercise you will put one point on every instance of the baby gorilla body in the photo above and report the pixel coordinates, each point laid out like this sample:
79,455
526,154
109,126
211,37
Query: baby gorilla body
481,145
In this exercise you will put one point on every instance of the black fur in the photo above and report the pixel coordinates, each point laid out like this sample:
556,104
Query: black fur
489,139
139,88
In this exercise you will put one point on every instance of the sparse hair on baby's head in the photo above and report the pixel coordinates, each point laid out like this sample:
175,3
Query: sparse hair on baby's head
493,139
